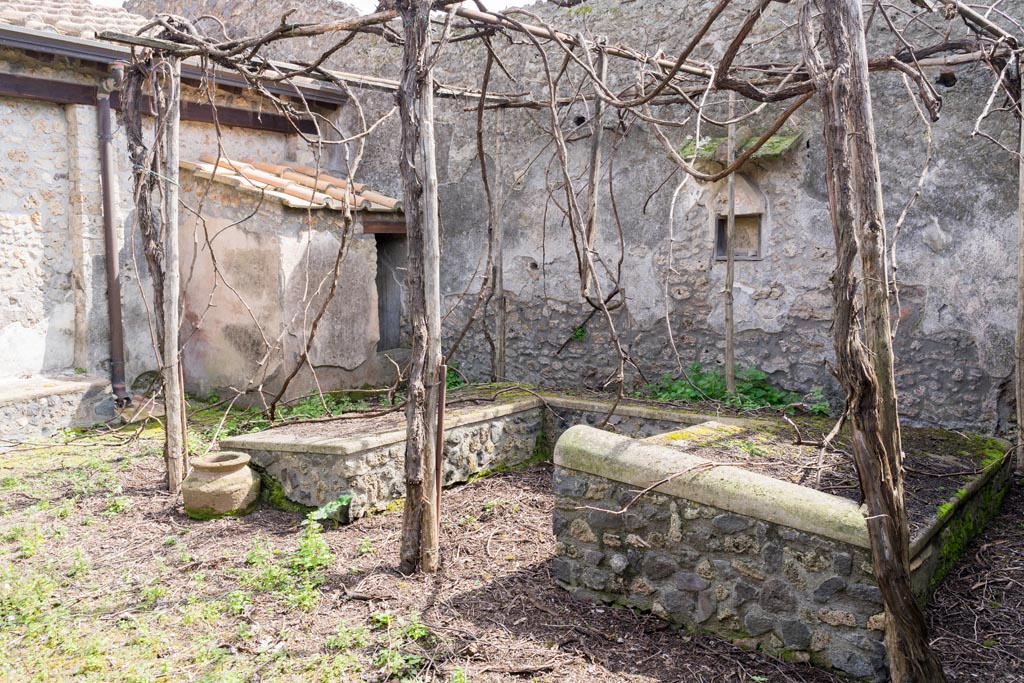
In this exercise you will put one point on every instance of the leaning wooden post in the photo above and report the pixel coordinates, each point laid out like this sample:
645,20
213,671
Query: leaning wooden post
174,404
865,368
419,179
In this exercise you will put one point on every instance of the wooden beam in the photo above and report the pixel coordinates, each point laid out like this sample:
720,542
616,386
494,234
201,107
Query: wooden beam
376,226
63,92
46,90
237,117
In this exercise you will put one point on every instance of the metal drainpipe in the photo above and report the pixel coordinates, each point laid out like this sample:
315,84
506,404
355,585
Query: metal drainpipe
117,382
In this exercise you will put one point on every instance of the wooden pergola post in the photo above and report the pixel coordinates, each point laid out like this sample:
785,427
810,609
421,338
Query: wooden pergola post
420,529
174,403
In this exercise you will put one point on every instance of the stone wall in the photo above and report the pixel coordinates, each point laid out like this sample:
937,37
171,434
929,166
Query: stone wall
247,321
52,272
632,419
315,470
763,586
37,319
956,250
759,561
30,410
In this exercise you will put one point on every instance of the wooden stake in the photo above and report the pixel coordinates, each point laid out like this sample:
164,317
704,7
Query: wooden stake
730,257
1020,288
595,174
498,260
442,381
174,404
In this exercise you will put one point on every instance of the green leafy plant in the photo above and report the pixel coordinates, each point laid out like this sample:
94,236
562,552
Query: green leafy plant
347,638
414,629
320,406
336,510
238,601
313,552
382,619
365,546
579,333
453,378
118,505
753,389
398,665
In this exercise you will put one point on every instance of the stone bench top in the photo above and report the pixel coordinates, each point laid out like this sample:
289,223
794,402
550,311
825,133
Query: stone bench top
278,440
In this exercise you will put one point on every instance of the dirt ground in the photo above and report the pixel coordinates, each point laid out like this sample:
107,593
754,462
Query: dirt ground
103,578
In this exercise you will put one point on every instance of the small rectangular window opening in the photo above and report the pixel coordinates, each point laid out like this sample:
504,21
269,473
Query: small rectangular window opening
746,239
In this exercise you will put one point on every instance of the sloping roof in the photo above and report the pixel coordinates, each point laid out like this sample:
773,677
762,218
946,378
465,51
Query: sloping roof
711,148
298,187
77,18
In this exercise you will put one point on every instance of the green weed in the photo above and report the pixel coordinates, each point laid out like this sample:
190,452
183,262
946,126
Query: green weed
313,552
398,665
753,390
238,602
117,505
347,638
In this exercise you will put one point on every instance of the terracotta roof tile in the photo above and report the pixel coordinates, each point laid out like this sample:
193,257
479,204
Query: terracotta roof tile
77,18
298,187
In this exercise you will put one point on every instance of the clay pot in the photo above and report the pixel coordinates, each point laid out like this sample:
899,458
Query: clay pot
220,484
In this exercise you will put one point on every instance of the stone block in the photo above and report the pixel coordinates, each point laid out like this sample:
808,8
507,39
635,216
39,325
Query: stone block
679,605
707,605
851,662
565,484
876,622
744,592
659,566
688,581
795,634
777,597
580,530
834,617
730,524
828,588
842,563
561,570
863,592
757,622
599,519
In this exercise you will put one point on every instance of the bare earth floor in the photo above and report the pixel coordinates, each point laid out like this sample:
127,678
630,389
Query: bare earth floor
103,578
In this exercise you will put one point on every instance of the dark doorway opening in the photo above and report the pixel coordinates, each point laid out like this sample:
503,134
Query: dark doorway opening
391,255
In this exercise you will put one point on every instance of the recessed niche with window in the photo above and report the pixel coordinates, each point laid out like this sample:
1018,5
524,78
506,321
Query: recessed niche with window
748,238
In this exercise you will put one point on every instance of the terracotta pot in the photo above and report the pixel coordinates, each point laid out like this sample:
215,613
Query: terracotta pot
220,484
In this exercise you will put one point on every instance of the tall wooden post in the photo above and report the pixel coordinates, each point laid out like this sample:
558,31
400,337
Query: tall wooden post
594,178
174,404
1020,286
498,257
730,258
419,178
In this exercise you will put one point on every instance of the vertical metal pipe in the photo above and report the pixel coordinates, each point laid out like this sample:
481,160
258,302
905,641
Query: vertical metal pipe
110,242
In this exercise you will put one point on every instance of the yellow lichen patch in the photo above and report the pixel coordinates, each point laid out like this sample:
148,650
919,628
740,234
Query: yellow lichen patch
699,435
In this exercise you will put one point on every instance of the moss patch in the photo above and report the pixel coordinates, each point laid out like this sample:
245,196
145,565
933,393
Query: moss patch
963,528
272,493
